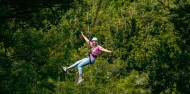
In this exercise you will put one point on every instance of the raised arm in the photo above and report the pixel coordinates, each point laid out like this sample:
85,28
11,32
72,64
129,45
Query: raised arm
86,39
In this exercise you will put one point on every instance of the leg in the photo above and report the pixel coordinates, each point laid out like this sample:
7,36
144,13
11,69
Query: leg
84,62
75,64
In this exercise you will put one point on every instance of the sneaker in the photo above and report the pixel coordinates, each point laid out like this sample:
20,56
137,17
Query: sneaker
64,68
80,80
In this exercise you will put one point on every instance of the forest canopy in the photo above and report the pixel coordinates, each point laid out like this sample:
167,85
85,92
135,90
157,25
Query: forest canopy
150,38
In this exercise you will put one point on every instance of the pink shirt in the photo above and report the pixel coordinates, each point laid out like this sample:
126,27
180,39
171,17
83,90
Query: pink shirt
96,51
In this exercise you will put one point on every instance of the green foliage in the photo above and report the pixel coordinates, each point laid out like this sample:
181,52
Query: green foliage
150,39
134,83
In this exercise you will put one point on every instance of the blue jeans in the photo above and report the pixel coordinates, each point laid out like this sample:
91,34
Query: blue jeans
81,63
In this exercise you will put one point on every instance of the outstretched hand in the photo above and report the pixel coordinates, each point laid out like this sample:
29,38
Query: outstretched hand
112,52
110,58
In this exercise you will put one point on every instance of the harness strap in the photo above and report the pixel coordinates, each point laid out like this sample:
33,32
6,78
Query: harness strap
94,55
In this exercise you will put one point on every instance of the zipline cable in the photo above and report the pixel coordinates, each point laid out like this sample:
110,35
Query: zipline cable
89,48
89,51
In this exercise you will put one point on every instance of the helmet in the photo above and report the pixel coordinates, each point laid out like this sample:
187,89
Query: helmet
94,39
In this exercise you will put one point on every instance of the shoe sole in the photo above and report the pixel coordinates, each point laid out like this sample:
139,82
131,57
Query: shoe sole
80,81
63,68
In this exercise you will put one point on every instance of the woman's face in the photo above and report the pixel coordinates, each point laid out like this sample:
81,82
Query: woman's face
95,43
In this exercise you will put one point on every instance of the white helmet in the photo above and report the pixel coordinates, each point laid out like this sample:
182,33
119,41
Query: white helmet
94,39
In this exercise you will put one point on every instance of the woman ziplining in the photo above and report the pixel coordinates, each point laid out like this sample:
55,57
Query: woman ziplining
93,54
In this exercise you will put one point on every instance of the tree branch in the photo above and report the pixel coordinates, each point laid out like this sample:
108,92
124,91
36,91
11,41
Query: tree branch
163,4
